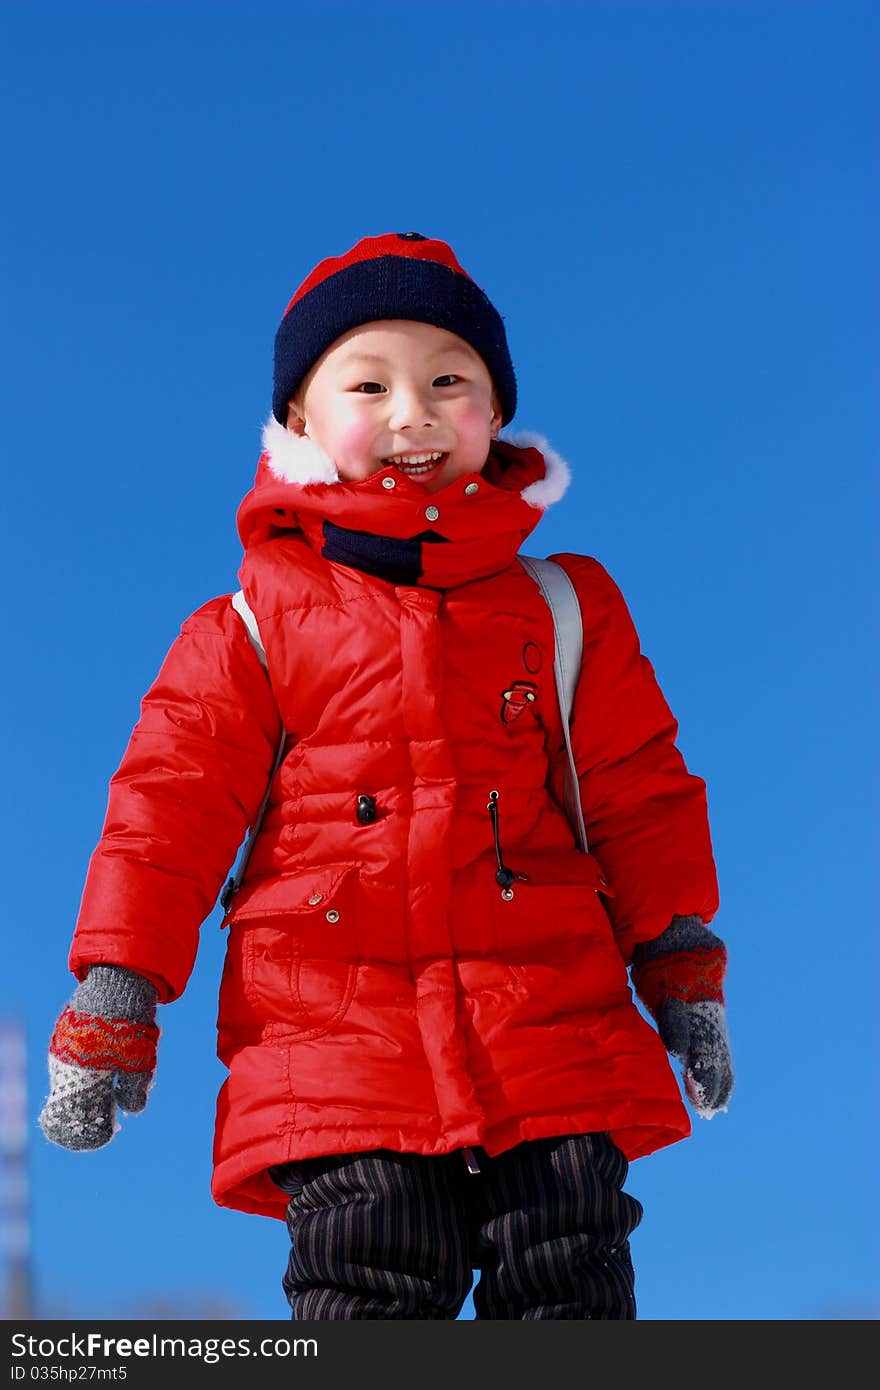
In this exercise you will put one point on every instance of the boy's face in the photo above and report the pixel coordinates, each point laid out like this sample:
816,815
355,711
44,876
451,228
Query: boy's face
396,392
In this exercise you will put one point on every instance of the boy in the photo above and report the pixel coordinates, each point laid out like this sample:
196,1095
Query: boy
435,1060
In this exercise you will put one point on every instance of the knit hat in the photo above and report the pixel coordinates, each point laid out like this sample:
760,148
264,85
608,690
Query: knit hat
403,275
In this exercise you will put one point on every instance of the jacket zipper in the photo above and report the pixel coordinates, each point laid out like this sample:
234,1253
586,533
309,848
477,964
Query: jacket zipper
504,877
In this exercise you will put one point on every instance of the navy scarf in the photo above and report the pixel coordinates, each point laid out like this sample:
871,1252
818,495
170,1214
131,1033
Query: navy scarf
398,561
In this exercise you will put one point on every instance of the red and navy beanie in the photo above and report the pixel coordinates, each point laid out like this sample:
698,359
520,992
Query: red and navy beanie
403,275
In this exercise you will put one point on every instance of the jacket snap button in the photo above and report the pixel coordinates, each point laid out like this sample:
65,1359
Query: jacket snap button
432,513
507,894
315,899
389,483
333,915
472,488
366,809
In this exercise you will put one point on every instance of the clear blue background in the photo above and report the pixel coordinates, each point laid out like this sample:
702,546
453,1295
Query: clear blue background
675,207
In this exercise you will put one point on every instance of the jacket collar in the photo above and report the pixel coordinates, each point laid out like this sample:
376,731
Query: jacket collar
479,520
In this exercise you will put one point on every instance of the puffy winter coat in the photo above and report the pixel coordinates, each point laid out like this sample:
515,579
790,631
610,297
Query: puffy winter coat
381,989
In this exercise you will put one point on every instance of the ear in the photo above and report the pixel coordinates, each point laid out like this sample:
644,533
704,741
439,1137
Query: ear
495,419
296,421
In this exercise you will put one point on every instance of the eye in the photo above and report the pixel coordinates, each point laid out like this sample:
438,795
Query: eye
367,387
449,376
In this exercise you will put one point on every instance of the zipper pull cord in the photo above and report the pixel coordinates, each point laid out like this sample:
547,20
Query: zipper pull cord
504,876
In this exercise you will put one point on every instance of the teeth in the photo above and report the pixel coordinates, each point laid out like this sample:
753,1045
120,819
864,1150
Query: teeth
413,460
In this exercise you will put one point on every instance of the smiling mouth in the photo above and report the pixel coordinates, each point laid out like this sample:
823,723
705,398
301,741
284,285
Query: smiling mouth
417,464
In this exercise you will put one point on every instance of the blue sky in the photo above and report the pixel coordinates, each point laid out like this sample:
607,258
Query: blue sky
674,205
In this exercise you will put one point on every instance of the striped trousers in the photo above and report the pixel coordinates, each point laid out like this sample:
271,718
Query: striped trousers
399,1235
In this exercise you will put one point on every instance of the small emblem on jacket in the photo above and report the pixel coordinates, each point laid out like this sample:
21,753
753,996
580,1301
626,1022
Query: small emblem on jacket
517,698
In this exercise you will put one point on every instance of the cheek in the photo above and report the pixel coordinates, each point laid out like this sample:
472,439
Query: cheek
356,435
473,419
343,433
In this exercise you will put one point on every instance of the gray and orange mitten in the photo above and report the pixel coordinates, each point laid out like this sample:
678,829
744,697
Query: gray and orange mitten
102,1055
679,978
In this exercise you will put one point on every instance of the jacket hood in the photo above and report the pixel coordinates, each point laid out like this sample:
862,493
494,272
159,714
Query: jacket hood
486,515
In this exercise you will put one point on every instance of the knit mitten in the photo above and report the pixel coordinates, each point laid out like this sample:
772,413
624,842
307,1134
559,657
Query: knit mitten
679,978
102,1054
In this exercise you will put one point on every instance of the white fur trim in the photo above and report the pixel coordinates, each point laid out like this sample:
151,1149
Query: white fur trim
553,485
295,459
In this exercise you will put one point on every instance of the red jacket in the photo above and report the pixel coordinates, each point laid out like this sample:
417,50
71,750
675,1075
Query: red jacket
380,990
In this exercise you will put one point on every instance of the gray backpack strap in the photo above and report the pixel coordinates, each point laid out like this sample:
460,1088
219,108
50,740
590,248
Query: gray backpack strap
568,633
244,611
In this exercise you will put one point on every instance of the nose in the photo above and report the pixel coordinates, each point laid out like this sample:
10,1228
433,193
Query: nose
411,408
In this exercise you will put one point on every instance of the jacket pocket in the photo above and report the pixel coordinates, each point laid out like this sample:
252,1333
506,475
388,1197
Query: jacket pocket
558,942
556,897
296,947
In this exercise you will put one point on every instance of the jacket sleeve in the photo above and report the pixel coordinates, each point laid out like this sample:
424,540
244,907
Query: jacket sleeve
646,814
189,784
